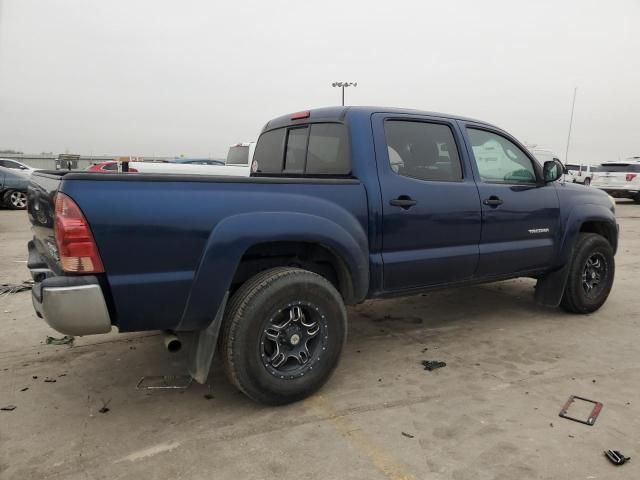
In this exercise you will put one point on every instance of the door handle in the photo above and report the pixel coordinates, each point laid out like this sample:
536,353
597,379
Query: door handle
403,201
493,201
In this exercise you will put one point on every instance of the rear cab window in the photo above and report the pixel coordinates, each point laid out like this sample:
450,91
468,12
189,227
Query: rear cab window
317,149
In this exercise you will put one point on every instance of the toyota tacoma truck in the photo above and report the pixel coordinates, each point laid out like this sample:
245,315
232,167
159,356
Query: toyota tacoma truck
342,205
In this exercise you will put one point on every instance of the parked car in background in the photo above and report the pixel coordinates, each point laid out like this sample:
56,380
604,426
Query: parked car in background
16,165
619,179
190,168
577,173
109,166
13,187
198,161
542,154
240,154
545,155
263,266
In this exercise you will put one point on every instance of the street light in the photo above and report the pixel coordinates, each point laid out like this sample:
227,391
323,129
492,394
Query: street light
343,85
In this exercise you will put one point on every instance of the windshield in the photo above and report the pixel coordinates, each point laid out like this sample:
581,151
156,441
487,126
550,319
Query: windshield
238,155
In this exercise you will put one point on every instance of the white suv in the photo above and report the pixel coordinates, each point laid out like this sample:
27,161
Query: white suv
579,173
620,179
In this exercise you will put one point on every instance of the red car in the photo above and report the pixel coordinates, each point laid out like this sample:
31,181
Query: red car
107,167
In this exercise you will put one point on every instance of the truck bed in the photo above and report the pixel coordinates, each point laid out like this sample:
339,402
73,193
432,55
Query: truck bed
185,220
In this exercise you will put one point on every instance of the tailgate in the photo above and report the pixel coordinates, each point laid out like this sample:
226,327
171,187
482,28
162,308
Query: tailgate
43,252
611,179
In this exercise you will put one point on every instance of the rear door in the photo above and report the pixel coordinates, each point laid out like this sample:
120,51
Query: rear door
431,208
520,214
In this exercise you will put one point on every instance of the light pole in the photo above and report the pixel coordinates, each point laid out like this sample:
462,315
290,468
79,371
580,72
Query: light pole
343,85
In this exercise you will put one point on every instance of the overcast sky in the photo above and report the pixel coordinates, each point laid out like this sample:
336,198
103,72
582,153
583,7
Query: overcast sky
191,77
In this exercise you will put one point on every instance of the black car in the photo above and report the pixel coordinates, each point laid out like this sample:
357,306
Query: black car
13,188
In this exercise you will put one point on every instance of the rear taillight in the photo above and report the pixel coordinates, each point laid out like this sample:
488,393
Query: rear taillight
76,248
630,176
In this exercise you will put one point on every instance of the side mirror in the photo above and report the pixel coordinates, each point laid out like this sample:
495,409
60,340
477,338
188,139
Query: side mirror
552,170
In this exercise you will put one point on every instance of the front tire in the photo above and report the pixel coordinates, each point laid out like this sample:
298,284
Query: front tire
591,274
282,335
15,200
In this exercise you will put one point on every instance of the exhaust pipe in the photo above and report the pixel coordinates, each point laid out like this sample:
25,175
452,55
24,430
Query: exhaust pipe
171,342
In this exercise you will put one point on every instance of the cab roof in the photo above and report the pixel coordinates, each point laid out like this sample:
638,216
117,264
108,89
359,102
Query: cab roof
338,114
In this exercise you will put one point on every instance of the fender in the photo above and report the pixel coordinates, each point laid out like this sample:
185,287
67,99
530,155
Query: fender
579,215
234,235
550,287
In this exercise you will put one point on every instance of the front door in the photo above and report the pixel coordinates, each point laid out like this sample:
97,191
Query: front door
431,209
520,213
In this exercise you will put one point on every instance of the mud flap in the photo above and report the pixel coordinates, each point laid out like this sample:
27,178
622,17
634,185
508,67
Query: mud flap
203,346
550,287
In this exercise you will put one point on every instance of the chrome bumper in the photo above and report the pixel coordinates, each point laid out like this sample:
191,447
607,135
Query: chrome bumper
72,309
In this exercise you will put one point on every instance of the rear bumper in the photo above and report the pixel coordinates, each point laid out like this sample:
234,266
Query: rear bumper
72,305
620,192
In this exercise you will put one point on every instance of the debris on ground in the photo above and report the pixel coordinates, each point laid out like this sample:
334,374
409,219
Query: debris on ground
66,340
590,420
159,382
24,389
35,377
104,408
408,435
8,288
8,408
616,457
208,396
50,380
431,365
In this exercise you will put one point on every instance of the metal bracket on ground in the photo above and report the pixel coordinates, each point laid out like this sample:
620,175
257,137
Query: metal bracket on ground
597,407
164,382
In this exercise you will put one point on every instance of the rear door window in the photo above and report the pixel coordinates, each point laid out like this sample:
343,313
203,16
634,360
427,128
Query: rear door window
421,150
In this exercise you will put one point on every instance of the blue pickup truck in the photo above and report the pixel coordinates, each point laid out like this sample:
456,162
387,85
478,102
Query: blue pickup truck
342,205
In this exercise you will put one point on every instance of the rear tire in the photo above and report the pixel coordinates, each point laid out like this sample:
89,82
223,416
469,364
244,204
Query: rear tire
282,335
15,200
591,274
587,182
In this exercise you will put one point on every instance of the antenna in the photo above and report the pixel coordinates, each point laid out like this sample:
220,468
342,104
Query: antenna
573,105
